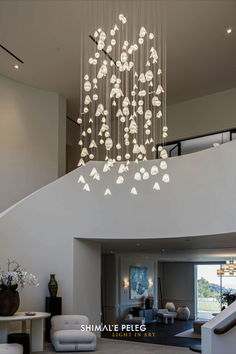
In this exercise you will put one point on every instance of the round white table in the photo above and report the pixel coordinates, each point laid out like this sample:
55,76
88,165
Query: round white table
36,328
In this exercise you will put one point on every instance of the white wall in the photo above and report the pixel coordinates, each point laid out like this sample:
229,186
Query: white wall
178,284
39,232
32,139
87,280
202,115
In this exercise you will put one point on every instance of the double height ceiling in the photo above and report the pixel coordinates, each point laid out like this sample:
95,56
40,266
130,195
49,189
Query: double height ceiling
47,36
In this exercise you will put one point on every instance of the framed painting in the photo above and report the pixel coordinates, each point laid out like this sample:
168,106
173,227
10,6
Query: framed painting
138,282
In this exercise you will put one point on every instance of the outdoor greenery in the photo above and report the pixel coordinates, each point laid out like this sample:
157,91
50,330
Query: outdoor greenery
206,289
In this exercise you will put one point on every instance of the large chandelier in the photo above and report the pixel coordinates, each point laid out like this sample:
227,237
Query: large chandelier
228,269
124,107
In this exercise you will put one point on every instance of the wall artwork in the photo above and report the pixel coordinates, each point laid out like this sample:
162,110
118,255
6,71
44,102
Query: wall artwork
138,282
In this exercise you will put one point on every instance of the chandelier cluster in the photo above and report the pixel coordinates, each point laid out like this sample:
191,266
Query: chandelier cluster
228,269
122,111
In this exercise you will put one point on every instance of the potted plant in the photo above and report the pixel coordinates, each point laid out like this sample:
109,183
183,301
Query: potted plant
227,298
15,277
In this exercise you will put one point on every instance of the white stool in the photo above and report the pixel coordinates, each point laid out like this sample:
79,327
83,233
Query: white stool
170,316
11,349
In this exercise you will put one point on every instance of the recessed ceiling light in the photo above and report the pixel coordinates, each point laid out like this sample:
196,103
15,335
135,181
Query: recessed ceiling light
16,67
229,30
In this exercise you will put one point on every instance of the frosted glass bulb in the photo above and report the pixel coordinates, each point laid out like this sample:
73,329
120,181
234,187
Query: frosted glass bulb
85,110
149,75
148,131
120,180
86,188
84,152
136,149
108,143
90,60
151,35
91,156
95,97
134,191
142,78
107,134
113,42
127,156
164,135
122,168
96,34
109,49
137,176
142,169
160,148
83,133
126,136
107,192
123,57
149,123
81,163
126,129
89,130
159,90
126,111
106,168
94,61
145,175
140,40
163,165
118,158
81,179
166,178
156,186
97,177
156,102
101,141
165,128
140,156
159,72
103,36
100,45
112,32
159,114
79,121
148,114
142,149
163,154
154,170
87,86
93,172
127,143
142,32
118,146
80,142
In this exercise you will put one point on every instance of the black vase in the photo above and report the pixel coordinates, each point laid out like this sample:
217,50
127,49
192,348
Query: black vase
9,303
52,286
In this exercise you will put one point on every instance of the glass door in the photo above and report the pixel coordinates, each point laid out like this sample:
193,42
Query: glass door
208,290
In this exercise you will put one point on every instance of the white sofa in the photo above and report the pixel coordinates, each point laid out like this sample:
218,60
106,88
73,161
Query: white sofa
11,349
67,336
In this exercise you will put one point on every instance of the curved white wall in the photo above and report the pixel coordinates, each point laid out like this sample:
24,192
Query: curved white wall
39,232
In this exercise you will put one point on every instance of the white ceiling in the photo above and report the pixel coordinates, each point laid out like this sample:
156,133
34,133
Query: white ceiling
52,39
190,249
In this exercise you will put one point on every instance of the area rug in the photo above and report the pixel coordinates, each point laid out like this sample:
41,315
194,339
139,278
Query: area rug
189,334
